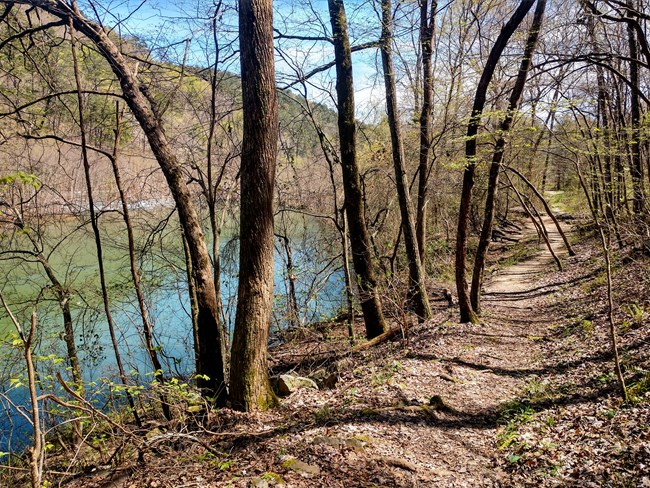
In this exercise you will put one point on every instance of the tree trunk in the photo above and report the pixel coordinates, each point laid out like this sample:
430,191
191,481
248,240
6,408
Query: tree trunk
354,207
210,360
497,157
467,313
95,227
37,451
606,130
427,30
63,296
147,329
191,291
348,276
636,169
417,287
249,382
292,300
211,197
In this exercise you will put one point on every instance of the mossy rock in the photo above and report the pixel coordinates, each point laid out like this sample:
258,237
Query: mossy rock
293,464
286,384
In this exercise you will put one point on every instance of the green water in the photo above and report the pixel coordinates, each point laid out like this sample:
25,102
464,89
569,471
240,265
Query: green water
70,249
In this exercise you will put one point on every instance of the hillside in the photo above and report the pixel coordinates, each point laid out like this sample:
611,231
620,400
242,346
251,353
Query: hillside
209,281
526,398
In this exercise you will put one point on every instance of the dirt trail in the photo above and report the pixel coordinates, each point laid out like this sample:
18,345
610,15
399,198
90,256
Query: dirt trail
474,370
521,276
420,413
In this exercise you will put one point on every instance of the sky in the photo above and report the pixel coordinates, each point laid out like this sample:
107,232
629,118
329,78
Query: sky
166,24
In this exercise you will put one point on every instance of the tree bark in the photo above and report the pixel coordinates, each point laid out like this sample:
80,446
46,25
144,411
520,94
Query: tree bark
354,207
249,382
427,30
417,292
467,313
497,157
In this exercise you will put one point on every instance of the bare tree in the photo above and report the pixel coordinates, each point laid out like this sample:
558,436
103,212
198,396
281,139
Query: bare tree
417,287
467,314
497,157
428,11
354,207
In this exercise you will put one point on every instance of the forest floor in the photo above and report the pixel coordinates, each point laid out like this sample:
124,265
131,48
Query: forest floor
526,398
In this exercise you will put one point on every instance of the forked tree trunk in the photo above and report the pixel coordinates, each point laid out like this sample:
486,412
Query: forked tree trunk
467,313
249,378
417,292
210,360
63,296
497,157
427,30
354,208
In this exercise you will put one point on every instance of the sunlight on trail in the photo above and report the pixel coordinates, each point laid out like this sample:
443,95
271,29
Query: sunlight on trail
519,277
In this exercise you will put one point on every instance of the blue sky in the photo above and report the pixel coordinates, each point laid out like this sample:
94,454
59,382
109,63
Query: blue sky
165,24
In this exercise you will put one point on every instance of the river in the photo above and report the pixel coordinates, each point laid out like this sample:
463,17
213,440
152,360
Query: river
316,272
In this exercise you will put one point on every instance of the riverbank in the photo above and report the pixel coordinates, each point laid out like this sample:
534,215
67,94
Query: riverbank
527,397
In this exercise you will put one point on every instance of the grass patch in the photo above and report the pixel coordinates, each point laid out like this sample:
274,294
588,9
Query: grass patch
639,390
513,415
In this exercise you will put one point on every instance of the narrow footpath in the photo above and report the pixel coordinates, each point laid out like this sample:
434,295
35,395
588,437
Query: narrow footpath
421,412
424,411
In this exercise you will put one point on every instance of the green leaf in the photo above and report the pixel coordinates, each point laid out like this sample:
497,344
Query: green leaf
513,458
20,177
